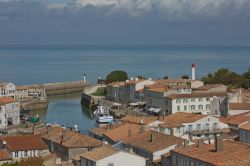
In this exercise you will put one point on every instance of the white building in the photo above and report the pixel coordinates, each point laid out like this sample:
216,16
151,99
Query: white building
108,156
185,125
202,103
24,146
7,90
9,112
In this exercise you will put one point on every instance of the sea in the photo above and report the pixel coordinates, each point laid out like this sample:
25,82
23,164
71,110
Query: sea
25,65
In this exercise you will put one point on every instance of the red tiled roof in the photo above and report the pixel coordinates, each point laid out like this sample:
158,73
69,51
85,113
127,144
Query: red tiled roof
234,153
121,133
160,141
24,142
236,119
245,126
177,119
99,153
71,139
239,106
4,155
139,119
6,100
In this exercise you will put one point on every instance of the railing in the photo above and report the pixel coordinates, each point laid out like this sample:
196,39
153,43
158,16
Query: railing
205,131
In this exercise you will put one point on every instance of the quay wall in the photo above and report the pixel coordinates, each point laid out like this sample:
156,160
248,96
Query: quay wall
34,105
64,88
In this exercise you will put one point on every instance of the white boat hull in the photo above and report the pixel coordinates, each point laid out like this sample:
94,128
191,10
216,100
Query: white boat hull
104,119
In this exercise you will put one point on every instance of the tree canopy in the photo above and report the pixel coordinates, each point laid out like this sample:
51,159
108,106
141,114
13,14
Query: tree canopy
116,75
229,78
185,77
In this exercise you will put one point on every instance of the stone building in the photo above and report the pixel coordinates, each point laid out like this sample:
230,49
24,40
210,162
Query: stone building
9,112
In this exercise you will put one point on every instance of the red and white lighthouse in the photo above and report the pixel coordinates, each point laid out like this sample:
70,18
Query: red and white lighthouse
193,71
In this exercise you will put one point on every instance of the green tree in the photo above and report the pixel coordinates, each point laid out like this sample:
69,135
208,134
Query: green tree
116,75
165,77
185,77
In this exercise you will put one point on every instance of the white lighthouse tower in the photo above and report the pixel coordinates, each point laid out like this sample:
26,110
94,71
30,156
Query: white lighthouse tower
193,71
84,78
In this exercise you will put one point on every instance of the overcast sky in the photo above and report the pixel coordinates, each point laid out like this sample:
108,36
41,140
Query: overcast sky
185,22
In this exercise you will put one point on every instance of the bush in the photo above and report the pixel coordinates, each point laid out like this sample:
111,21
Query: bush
115,76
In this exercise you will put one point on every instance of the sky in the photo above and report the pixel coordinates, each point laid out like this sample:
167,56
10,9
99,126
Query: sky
90,22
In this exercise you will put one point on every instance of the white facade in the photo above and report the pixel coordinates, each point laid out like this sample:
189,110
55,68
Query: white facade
29,153
117,159
7,90
206,126
203,105
9,114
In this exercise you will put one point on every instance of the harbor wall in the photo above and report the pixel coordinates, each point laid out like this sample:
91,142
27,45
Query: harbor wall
34,105
65,88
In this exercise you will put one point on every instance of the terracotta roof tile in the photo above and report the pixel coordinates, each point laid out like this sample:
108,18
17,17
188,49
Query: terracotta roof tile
239,106
24,142
139,119
177,119
236,119
160,141
70,139
4,155
6,100
122,132
99,153
234,153
245,126
101,130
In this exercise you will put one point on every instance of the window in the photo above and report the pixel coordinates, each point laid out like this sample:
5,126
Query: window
207,106
207,99
16,154
192,100
178,101
178,108
185,107
199,127
200,99
190,128
178,130
185,100
207,126
25,153
192,107
200,107
110,164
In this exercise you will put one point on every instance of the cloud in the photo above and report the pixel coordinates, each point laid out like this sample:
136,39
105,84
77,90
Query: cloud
178,9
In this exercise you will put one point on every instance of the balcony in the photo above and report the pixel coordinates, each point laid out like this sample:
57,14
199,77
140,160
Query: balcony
205,131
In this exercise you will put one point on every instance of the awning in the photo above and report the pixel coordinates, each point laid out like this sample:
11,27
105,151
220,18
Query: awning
141,103
133,104
116,104
151,109
157,110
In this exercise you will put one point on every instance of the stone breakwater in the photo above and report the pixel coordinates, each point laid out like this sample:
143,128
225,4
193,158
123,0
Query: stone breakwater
64,88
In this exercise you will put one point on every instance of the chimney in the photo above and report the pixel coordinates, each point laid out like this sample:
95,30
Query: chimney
152,138
129,132
199,144
193,71
142,129
47,127
218,144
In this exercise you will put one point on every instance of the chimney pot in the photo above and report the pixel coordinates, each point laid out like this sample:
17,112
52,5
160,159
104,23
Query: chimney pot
218,144
152,138
129,132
